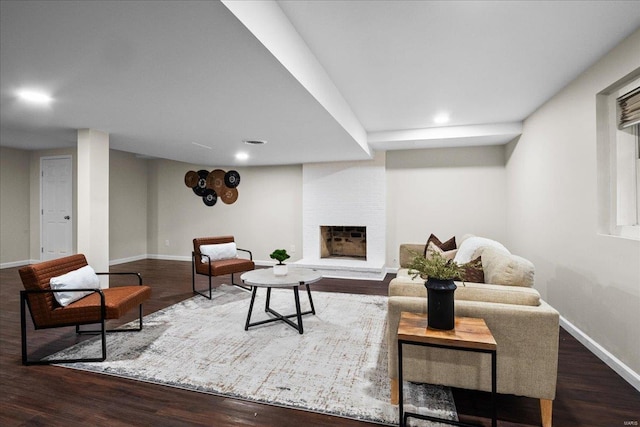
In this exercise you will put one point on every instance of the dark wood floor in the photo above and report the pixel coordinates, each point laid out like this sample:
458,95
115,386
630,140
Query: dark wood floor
588,393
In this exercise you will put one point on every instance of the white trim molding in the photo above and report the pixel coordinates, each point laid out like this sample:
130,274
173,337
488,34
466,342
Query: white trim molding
188,259
18,263
128,259
628,374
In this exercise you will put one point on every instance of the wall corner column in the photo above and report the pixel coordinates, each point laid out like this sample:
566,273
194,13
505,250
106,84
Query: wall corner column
93,199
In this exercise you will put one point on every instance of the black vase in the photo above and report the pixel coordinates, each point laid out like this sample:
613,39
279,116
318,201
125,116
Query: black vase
440,310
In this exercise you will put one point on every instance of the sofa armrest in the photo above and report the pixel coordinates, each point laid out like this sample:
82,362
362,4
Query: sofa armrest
405,253
527,338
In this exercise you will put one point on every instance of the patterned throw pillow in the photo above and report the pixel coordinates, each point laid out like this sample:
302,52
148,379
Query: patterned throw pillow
448,255
449,245
473,271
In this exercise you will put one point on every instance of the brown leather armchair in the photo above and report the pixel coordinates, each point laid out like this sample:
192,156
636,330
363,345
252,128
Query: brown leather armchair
98,306
204,264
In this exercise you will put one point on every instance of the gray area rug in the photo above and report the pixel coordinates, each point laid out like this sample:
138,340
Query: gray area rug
338,366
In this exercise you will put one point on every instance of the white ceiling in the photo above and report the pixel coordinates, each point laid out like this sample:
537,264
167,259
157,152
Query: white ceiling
320,80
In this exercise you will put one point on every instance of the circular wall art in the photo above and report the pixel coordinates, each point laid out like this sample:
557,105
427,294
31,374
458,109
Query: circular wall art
201,184
213,185
232,179
191,179
215,180
210,197
229,195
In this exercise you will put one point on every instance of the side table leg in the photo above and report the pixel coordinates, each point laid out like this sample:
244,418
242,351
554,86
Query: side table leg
266,304
400,394
494,415
313,310
253,298
296,295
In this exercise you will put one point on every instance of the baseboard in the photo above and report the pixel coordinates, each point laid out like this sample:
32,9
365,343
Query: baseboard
188,259
18,263
628,374
169,257
129,259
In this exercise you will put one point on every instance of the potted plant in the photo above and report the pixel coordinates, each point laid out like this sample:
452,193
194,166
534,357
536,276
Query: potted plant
280,269
439,275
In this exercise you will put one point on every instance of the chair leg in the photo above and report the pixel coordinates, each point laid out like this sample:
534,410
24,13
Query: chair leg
23,332
546,409
193,278
23,327
102,331
193,273
241,286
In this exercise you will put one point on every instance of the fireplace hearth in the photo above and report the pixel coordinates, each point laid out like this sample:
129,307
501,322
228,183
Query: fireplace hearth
343,241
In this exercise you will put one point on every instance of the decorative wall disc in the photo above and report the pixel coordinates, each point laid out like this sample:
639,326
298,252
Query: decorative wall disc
210,197
232,179
214,184
215,180
191,179
229,195
201,185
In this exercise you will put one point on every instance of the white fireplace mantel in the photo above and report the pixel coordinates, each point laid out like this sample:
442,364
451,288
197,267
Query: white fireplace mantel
345,193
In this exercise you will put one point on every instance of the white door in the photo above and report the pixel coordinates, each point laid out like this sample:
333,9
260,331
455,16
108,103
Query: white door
56,193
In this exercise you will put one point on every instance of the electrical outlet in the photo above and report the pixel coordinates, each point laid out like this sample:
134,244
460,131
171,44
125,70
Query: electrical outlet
292,249
166,242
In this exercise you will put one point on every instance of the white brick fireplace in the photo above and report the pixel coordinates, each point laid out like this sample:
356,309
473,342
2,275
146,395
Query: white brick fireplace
351,194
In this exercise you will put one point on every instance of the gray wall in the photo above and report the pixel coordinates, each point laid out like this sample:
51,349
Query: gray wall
128,182
14,206
445,191
266,216
552,215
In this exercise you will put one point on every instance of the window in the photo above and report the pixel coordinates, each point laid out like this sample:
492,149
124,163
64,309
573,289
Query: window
618,111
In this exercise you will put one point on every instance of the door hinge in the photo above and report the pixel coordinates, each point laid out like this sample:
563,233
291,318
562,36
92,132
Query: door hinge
41,250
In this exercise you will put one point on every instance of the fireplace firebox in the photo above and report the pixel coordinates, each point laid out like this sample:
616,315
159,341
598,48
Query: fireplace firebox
343,241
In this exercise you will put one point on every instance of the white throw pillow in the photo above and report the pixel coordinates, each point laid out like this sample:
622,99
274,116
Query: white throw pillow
81,278
218,251
468,247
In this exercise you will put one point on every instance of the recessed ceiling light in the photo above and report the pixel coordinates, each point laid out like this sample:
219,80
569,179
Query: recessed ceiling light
441,118
254,141
34,96
242,156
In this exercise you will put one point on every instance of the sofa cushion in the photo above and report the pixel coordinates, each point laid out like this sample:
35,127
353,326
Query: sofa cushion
408,251
468,248
449,245
502,268
403,273
483,292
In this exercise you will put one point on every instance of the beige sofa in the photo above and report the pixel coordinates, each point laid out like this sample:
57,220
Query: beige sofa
524,326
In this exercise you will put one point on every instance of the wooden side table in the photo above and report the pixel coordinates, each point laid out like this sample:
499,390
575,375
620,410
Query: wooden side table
470,334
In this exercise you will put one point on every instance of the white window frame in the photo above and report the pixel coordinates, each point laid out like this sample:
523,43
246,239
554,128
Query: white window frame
618,165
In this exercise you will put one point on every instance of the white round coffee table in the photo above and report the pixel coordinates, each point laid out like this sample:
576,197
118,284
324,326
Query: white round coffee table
264,278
